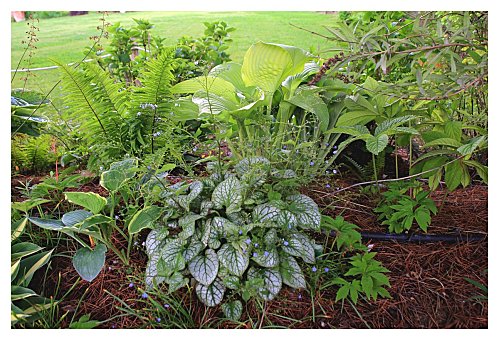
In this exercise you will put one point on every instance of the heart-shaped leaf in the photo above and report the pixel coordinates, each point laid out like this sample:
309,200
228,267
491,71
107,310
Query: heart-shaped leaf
306,211
229,194
291,272
233,310
272,282
144,219
233,259
88,263
204,267
211,295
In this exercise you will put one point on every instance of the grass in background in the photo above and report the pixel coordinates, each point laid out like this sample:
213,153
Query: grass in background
65,38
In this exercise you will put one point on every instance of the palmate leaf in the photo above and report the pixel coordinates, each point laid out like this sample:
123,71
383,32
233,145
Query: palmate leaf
233,310
204,267
212,294
291,272
228,194
272,281
233,259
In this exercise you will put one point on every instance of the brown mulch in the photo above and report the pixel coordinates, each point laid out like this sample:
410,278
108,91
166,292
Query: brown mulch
428,285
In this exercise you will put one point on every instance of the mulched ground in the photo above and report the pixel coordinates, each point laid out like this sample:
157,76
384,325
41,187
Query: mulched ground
428,286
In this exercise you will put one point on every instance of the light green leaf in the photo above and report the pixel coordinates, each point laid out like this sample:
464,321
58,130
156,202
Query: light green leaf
453,129
211,103
423,218
307,251
272,281
389,124
233,259
231,282
88,200
211,295
376,144
442,142
27,205
351,118
88,263
229,194
144,218
204,267
208,84
310,101
453,175
74,217
233,310
471,145
112,179
291,272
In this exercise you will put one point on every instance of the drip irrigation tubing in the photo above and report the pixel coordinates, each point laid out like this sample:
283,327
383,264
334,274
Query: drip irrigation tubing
421,238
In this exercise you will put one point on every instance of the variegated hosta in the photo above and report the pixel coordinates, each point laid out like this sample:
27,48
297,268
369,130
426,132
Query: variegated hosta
225,234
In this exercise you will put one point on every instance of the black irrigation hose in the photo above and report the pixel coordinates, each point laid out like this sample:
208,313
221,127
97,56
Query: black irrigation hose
450,238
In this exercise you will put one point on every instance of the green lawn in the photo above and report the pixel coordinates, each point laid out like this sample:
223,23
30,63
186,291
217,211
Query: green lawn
65,38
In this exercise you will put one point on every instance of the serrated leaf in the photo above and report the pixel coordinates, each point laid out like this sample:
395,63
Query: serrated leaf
376,144
233,310
423,218
268,258
306,211
144,218
272,282
229,194
442,142
88,200
291,272
264,212
471,145
74,217
204,267
233,259
342,293
88,263
211,295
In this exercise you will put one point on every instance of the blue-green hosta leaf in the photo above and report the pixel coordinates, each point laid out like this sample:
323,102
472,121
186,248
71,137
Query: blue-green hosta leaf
144,218
204,267
291,272
233,310
74,217
306,211
94,220
112,180
229,194
376,144
246,164
151,273
194,248
88,263
272,281
267,258
265,212
176,281
233,259
188,224
231,282
172,254
270,237
211,295
286,219
88,200
155,239
56,225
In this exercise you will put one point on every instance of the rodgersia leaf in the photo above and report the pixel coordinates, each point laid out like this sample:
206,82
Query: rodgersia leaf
306,211
272,282
233,259
291,272
265,212
204,267
228,194
233,310
211,295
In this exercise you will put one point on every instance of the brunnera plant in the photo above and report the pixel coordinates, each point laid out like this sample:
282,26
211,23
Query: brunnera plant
232,235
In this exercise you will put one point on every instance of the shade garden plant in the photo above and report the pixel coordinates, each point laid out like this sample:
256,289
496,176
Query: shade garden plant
226,186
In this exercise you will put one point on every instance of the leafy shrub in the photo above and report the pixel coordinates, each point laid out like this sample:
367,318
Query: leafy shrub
230,234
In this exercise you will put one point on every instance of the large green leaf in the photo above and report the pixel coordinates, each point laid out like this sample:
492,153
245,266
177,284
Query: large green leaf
210,84
74,217
272,281
88,200
88,263
204,267
351,118
233,259
453,175
376,144
212,294
471,145
229,194
211,103
233,310
443,142
144,218
291,272
389,124
44,223
268,65
306,211
453,129
232,73
310,101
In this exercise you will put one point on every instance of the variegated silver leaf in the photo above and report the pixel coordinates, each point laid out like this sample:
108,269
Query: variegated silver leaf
204,267
267,258
265,212
233,310
155,239
291,272
194,248
307,248
286,219
231,282
211,295
228,194
270,237
188,224
247,164
172,254
152,270
176,281
272,281
306,211
233,259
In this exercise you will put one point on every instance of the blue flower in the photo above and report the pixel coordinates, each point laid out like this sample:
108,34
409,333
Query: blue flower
284,147
299,296
312,163
335,171
326,269
266,253
166,305
240,232
285,243
248,241
144,295
255,254
131,285
328,186
289,226
334,152
256,245
314,269
158,319
327,144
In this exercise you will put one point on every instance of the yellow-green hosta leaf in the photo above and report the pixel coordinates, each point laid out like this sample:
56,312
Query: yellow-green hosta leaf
112,179
207,84
144,218
88,200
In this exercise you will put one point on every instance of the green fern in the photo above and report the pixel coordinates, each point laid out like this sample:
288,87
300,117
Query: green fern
32,153
365,172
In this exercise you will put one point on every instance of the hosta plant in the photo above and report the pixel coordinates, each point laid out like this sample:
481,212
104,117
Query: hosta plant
233,236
